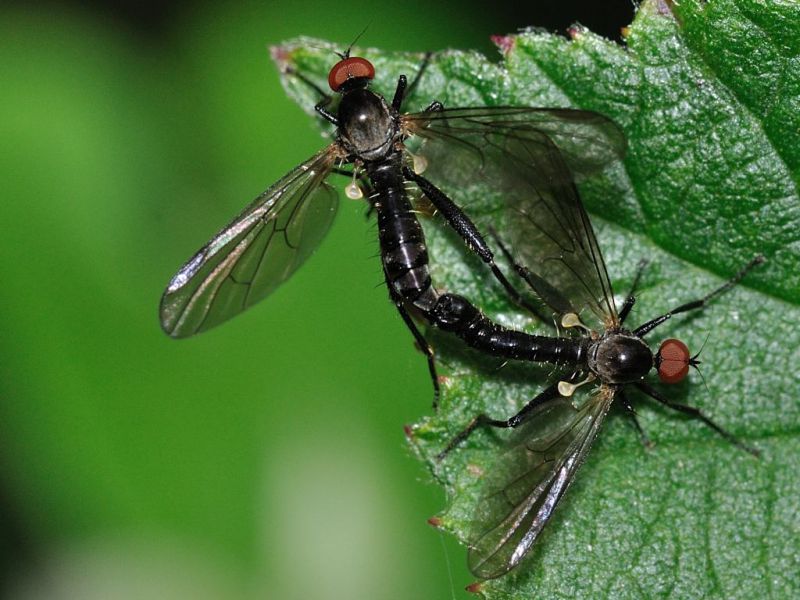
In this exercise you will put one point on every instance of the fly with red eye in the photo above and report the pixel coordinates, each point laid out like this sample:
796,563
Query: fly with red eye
553,433
273,236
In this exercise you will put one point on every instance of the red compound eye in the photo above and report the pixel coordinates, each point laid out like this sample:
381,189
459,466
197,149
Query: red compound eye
349,68
673,361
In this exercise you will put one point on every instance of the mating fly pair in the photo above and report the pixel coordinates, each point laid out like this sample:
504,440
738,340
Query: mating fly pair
529,158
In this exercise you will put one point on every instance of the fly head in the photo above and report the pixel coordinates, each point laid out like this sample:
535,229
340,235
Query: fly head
350,72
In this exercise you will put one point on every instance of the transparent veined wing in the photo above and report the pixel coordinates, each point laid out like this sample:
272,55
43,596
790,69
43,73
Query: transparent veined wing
513,170
530,477
252,255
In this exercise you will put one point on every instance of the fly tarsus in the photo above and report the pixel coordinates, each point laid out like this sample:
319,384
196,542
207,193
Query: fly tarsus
483,420
426,61
696,413
422,342
626,404
325,113
643,330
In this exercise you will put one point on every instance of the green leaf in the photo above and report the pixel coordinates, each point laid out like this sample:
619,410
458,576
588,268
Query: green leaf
708,95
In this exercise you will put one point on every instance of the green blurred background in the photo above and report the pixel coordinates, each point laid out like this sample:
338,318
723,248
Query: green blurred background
264,459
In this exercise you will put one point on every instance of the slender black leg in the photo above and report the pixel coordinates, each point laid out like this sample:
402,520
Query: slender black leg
695,413
344,172
434,106
643,330
370,211
483,420
324,112
426,61
630,299
403,89
325,97
399,92
320,92
465,228
632,413
422,343
540,287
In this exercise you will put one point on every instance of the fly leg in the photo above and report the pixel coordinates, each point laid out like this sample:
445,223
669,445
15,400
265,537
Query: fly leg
422,343
643,330
484,420
630,299
632,412
324,112
540,287
399,92
325,98
404,90
465,228
434,106
426,61
343,172
695,413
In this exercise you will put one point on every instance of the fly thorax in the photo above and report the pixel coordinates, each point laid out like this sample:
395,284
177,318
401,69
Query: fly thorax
366,126
620,358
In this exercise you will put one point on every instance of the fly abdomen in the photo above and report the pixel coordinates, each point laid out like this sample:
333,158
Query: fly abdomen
405,256
456,314
403,250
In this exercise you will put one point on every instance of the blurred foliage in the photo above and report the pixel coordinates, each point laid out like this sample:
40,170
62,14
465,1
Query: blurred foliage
709,182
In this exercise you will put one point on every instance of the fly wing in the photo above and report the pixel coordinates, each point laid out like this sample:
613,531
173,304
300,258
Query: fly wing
513,170
529,479
254,253
588,140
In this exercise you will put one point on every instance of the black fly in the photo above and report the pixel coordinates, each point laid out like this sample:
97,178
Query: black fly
558,256
274,235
